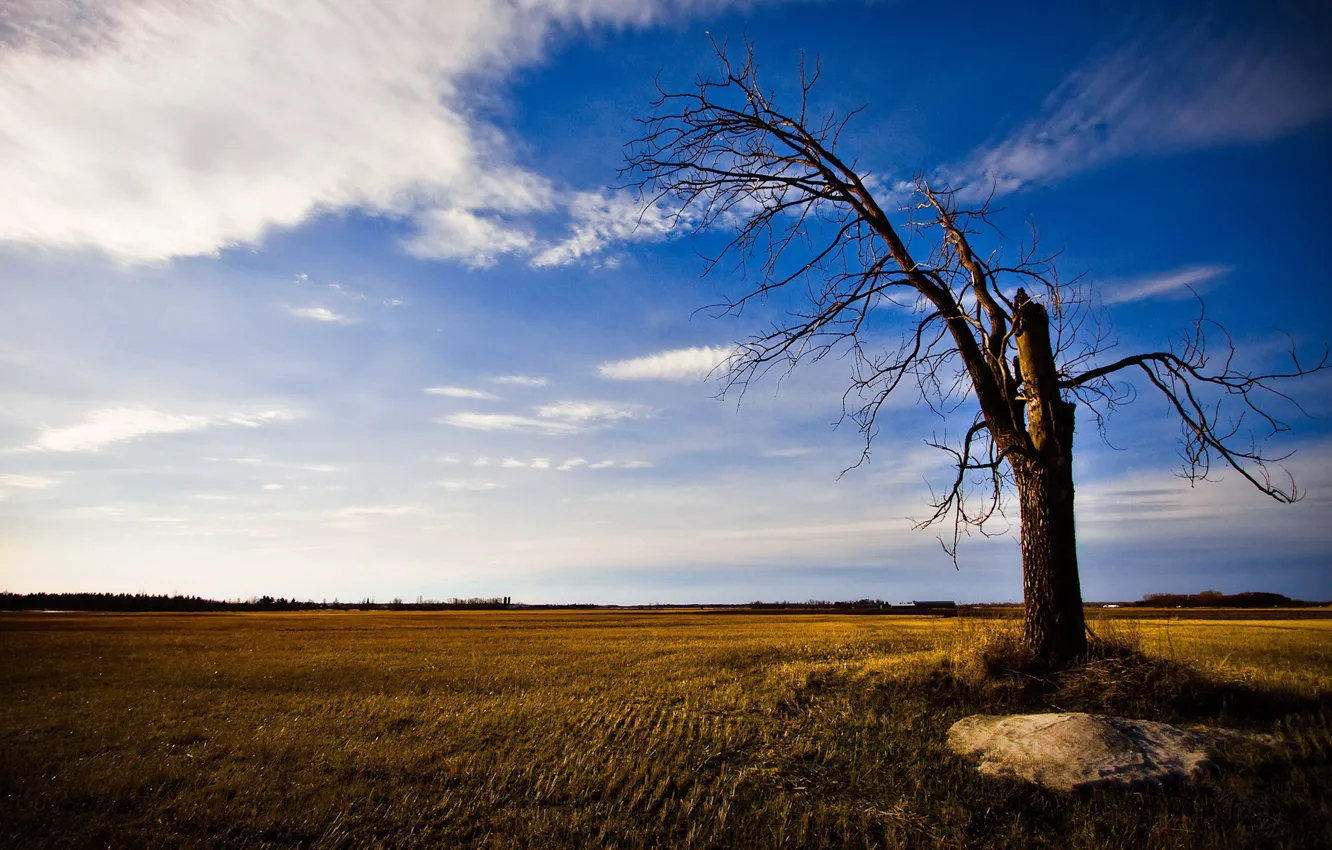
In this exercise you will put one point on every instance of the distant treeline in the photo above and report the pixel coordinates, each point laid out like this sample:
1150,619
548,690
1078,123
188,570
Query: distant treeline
143,602
1216,599
820,603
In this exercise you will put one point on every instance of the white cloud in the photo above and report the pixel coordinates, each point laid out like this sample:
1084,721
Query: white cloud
29,482
393,302
564,417
599,219
536,463
593,411
102,427
346,293
116,424
377,512
257,420
273,487
461,392
794,452
277,464
679,364
163,128
521,380
507,422
1174,91
447,460
472,239
574,463
481,461
1179,283
320,314
468,484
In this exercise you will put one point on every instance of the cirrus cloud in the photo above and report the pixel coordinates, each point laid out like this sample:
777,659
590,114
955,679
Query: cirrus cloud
321,314
461,392
1179,89
29,482
101,428
564,417
522,380
1178,283
678,364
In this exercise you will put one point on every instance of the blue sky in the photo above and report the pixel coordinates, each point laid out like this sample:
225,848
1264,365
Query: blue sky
340,299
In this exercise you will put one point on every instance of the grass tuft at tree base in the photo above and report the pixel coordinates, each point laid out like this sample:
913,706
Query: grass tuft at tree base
1119,676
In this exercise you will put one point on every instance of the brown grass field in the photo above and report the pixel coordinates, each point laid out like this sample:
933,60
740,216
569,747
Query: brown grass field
614,729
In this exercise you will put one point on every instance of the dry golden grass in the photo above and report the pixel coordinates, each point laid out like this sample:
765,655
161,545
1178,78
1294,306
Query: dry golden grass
497,729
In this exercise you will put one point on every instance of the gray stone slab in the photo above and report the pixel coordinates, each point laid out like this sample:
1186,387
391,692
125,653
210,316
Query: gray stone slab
1073,751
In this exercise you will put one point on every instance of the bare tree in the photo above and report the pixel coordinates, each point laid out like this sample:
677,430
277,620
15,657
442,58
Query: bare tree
1003,341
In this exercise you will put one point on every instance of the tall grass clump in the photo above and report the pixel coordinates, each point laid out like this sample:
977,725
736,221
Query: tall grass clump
1126,672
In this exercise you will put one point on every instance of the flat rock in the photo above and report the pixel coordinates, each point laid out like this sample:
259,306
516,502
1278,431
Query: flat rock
1073,751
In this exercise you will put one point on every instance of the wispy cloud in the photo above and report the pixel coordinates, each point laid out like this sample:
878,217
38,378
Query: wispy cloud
600,219
103,427
1181,90
458,485
522,380
535,463
563,417
1178,283
362,513
29,482
473,238
679,364
508,422
346,293
461,392
792,452
321,314
571,464
256,420
593,411
277,464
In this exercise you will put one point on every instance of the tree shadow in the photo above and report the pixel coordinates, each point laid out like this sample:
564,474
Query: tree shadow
1132,684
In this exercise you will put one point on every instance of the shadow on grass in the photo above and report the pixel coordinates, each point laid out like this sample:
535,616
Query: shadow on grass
995,675
1137,685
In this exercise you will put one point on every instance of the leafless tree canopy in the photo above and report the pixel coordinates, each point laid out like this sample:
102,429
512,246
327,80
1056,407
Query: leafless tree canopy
725,155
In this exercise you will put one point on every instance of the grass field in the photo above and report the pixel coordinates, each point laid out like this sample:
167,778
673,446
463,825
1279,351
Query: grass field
498,729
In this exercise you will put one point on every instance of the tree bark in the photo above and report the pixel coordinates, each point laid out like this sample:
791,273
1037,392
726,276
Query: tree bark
1054,628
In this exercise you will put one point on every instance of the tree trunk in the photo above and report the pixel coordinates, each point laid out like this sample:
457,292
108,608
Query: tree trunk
1055,629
